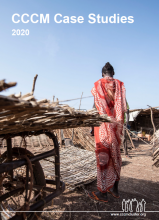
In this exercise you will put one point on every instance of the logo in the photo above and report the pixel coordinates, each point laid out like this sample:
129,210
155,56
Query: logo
128,205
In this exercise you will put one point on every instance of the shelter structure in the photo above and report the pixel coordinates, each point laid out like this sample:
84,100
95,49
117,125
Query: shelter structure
144,119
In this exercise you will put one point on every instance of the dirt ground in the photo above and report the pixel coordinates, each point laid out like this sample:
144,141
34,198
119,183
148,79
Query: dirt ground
138,180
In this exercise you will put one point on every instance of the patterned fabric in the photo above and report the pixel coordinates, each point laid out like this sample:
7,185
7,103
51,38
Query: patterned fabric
109,97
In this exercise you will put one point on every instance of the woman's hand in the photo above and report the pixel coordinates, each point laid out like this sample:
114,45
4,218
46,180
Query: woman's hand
92,131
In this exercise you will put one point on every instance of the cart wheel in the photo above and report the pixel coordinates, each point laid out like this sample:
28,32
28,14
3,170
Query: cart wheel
16,201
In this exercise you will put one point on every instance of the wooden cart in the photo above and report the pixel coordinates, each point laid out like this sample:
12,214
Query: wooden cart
23,186
26,185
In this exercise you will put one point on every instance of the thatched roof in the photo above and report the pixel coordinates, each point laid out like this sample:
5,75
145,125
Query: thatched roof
146,111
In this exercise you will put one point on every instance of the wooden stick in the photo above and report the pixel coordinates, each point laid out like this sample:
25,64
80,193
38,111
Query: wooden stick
130,139
80,100
33,88
137,136
4,85
76,99
154,128
20,115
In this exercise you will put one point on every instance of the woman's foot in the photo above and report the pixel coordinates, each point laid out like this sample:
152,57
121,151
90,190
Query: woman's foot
114,193
102,196
98,196
114,190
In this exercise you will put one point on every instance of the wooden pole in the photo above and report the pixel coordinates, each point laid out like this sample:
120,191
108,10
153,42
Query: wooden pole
154,128
79,109
34,81
130,139
137,136
76,99
80,100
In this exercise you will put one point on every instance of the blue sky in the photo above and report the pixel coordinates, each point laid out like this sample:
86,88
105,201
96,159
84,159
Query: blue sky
68,58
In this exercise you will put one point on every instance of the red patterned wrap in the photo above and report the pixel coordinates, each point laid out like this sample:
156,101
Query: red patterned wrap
109,97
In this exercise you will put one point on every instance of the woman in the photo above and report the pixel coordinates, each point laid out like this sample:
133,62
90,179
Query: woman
109,98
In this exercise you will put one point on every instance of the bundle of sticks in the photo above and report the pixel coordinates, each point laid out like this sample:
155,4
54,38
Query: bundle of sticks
25,113
155,143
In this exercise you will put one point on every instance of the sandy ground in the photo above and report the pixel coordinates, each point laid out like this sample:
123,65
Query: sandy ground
138,180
